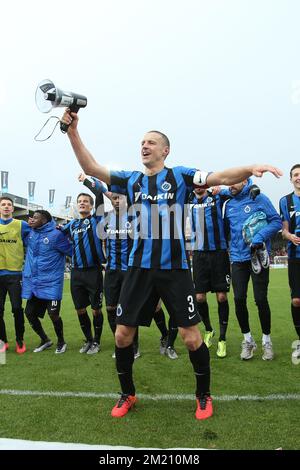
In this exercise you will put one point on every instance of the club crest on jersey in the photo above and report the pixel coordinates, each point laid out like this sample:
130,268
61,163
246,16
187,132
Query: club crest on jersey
86,221
166,186
247,209
46,241
128,225
209,199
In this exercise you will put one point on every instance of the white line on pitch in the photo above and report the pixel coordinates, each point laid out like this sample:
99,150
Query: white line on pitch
161,397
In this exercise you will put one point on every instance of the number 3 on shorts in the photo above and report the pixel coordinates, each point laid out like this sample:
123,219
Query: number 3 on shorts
190,300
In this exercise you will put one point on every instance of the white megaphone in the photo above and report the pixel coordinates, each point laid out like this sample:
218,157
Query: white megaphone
48,96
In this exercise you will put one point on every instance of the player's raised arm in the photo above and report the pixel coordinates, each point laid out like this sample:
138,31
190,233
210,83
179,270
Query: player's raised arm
84,157
238,174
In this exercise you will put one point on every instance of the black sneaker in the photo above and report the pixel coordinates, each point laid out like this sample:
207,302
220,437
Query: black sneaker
45,344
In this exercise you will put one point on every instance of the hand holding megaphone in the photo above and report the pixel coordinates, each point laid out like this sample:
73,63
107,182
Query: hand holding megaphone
64,125
48,96
68,119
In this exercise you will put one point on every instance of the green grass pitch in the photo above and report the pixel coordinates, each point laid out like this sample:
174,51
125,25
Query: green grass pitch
236,424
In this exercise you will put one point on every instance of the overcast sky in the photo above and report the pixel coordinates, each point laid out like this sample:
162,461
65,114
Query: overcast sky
220,78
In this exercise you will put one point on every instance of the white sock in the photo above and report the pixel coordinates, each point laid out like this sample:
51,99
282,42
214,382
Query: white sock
248,337
266,339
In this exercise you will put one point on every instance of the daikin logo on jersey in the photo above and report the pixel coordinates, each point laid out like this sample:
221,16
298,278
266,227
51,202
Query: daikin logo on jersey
121,231
208,203
158,197
81,230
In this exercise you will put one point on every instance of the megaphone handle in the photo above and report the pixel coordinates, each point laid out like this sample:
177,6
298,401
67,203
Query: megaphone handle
64,127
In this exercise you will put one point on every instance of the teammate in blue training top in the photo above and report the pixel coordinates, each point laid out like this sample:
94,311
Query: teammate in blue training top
43,277
252,223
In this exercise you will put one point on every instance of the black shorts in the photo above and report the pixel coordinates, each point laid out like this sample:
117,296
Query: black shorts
87,287
294,277
113,281
211,271
37,307
11,284
142,289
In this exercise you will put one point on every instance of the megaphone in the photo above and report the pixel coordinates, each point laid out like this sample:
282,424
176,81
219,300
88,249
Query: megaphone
48,96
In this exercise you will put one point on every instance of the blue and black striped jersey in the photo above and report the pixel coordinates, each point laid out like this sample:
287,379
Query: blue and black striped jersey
290,212
87,246
159,208
207,223
119,232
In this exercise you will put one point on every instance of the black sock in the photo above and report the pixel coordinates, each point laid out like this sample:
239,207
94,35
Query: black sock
204,313
242,314
111,316
19,324
85,324
3,336
200,362
136,340
223,311
264,316
59,329
160,320
98,325
124,361
296,318
36,325
173,331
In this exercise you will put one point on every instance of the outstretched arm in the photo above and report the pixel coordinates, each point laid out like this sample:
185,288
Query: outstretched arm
238,174
84,157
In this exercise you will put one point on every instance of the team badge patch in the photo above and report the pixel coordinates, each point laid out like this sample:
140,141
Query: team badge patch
166,186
